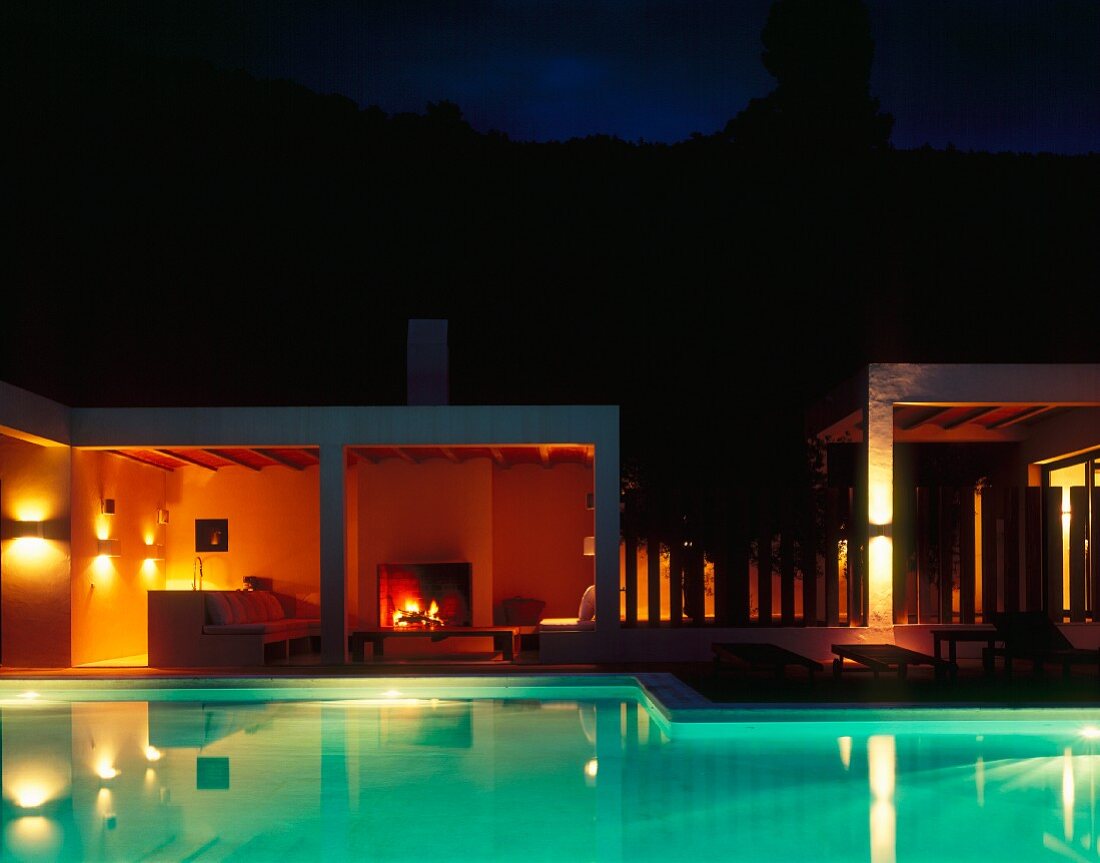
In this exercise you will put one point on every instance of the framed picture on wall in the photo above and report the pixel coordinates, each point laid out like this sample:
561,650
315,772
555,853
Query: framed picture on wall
211,534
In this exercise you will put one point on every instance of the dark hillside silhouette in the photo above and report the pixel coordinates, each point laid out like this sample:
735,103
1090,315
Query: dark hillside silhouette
183,234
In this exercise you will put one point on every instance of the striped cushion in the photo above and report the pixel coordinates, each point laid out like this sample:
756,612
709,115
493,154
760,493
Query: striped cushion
274,607
218,610
256,607
240,613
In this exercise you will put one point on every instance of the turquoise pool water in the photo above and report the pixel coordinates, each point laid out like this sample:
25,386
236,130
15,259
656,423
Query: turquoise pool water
429,771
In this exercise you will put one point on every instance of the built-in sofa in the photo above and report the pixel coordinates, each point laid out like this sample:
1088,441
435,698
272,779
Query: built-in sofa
196,628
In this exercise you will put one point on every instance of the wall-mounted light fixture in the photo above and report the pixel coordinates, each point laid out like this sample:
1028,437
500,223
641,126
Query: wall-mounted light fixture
590,501
590,546
107,506
879,530
162,516
154,552
110,548
28,530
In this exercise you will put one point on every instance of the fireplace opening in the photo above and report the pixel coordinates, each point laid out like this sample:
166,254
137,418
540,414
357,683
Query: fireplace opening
424,595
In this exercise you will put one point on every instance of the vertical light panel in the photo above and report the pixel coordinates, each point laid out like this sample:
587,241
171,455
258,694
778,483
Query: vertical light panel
880,511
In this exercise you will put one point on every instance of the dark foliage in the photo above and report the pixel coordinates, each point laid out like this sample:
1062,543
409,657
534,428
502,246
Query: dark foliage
180,234
820,55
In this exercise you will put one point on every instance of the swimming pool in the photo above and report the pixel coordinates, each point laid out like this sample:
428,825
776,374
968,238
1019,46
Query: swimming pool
596,768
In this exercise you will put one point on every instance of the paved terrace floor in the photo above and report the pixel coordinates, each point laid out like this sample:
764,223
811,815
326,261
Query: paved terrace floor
721,686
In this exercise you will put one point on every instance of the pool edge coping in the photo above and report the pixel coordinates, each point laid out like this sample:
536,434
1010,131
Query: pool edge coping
675,704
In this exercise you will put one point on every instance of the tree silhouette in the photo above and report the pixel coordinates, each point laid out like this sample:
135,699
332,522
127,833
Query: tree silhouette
820,53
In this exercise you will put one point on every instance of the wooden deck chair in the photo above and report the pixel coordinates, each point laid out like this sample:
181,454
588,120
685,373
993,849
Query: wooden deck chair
1033,636
755,655
877,658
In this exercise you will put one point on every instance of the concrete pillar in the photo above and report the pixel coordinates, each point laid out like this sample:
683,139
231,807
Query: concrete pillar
606,482
334,637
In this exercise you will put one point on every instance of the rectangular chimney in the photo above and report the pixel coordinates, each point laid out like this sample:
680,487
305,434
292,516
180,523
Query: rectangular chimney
426,376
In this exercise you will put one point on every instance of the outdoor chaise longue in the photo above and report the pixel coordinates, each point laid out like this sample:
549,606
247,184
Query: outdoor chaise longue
1033,636
755,654
877,658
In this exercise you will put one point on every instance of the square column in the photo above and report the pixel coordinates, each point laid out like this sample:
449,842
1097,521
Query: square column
606,488
334,636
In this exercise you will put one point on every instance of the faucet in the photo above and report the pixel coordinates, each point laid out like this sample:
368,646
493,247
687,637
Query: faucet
196,565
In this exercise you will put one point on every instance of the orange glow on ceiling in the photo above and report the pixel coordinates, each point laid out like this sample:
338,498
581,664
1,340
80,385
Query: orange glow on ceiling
547,455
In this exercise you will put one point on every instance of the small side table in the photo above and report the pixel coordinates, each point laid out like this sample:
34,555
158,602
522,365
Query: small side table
953,635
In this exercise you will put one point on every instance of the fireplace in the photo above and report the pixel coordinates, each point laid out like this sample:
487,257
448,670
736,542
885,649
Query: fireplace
424,595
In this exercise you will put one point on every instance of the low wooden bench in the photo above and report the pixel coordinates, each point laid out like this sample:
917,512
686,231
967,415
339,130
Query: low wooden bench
877,658
757,654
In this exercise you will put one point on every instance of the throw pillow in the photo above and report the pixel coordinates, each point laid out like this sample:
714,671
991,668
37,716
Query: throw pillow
588,604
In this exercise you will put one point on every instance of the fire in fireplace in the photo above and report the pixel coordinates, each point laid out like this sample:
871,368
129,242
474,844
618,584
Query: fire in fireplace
424,595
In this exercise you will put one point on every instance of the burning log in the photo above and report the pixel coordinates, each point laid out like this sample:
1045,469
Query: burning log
415,618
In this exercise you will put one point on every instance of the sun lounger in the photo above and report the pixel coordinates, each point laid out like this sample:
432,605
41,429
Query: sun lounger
877,658
1033,636
753,655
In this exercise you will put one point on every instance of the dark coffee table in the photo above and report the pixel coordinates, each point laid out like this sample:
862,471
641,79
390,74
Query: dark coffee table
505,638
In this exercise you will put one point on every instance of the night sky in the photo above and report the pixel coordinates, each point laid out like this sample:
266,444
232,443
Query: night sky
994,75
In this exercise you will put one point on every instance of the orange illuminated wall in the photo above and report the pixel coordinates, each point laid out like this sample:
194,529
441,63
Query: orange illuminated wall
34,486
539,525
110,594
433,511
274,529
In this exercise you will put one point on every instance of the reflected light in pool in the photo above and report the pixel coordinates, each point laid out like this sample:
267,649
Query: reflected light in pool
30,796
845,746
1067,793
34,837
881,766
105,770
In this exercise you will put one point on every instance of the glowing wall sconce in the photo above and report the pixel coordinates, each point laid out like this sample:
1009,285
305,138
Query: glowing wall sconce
110,548
28,530
589,546
879,530
154,552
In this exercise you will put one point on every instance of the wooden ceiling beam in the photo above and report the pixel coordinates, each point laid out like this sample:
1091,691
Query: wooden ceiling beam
281,459
925,416
146,462
1028,414
970,416
186,459
220,454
